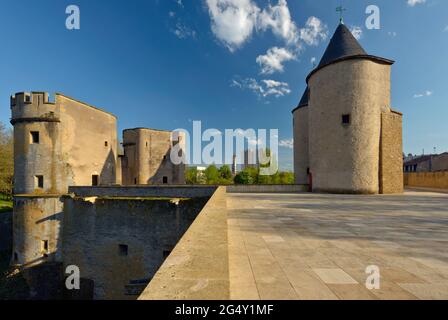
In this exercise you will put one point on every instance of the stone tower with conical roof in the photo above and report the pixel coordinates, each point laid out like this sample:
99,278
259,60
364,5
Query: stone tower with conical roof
347,139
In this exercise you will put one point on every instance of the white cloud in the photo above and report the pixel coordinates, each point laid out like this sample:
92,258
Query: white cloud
214,132
273,60
233,21
313,61
264,88
180,3
287,143
182,31
446,29
278,19
313,32
427,93
254,142
276,88
413,3
356,32
273,83
172,14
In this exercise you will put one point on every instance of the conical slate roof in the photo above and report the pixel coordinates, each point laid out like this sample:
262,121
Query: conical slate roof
342,44
304,101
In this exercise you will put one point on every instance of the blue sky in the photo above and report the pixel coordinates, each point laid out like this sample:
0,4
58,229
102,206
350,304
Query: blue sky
164,63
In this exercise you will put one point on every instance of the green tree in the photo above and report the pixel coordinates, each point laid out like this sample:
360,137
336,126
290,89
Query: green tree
243,177
191,175
6,161
286,177
247,176
225,175
212,174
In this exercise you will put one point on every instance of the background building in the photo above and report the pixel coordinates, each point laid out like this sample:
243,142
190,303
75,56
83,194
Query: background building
147,157
426,163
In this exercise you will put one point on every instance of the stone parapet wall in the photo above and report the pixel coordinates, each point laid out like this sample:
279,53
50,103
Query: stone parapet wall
198,267
144,191
437,180
119,241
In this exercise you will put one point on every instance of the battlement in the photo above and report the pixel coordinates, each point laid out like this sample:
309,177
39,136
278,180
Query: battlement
33,107
34,97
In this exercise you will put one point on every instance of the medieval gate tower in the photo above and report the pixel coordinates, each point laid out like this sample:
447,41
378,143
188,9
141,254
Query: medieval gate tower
347,139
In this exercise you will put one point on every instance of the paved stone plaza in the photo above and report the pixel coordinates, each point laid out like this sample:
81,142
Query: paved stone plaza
315,246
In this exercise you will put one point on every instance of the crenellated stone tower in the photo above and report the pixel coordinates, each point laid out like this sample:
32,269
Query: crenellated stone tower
347,139
56,145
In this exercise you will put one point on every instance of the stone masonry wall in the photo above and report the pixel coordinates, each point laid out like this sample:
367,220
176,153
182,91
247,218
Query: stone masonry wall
345,158
391,153
301,145
438,180
117,240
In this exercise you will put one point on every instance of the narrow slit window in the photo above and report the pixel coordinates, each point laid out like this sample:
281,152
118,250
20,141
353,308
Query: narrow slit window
345,119
95,180
165,180
39,182
106,143
44,247
34,137
123,250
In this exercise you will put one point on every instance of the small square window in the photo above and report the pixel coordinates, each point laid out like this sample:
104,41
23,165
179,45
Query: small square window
95,180
34,135
165,180
345,119
39,182
27,98
123,250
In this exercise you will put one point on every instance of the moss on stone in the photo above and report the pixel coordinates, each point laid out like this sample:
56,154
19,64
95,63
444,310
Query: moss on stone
5,206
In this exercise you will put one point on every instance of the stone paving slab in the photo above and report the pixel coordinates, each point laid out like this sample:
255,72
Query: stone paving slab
315,246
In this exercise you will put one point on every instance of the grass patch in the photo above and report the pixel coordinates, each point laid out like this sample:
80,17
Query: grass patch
5,206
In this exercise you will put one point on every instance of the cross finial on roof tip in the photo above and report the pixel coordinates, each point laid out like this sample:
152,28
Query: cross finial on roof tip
341,10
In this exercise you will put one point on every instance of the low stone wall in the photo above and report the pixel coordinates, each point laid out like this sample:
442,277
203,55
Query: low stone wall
144,191
437,180
198,267
292,188
118,243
